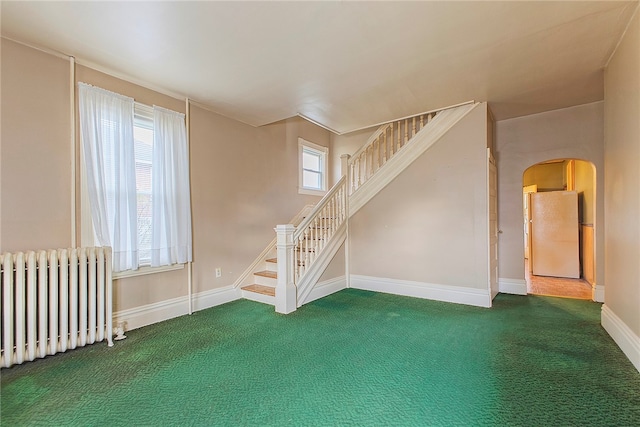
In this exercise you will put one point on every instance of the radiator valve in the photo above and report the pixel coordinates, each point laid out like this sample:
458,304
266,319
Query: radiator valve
119,331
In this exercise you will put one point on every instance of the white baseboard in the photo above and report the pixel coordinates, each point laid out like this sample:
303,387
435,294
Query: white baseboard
327,287
214,297
598,293
626,339
149,314
446,293
512,286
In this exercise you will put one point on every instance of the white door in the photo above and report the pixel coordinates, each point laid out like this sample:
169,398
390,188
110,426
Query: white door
493,225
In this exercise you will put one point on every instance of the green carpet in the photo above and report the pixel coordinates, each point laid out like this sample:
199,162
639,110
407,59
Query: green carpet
354,358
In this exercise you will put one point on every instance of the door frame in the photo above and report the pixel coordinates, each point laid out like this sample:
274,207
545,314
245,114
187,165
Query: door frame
597,226
526,203
492,224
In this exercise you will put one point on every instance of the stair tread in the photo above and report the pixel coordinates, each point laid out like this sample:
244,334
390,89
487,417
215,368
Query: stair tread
270,274
274,260
261,289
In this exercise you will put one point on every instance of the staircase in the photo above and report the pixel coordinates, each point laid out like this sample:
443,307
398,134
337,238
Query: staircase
286,272
313,237
258,281
264,284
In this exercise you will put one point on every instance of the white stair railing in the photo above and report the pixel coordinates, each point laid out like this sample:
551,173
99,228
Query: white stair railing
299,247
385,143
316,230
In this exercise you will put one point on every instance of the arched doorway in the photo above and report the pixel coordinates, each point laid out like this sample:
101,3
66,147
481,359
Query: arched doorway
559,205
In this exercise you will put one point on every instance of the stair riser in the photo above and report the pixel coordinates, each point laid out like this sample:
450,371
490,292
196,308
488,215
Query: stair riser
267,281
253,296
271,266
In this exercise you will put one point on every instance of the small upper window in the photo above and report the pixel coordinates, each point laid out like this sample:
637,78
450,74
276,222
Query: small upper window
313,168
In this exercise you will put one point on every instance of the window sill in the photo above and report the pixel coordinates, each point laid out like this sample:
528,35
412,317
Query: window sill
311,192
142,271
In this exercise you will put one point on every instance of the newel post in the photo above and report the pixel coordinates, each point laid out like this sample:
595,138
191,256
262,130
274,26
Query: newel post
286,293
344,165
345,170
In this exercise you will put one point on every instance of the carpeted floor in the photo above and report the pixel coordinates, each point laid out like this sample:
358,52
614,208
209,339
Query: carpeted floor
354,358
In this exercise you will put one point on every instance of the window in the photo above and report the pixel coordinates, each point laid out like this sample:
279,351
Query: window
312,178
143,154
135,181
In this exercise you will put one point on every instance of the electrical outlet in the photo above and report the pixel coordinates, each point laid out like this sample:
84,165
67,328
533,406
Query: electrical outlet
218,272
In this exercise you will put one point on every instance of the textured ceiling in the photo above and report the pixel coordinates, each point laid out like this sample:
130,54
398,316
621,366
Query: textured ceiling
345,65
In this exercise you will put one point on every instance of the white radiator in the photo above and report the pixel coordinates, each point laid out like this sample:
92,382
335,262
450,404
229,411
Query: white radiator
53,301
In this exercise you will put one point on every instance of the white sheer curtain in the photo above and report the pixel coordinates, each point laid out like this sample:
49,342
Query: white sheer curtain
171,212
106,133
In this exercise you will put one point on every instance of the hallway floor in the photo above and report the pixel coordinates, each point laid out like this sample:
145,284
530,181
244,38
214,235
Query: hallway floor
556,286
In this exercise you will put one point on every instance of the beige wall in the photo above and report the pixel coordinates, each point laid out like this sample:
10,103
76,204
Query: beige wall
36,150
430,223
336,267
548,176
346,144
244,179
622,179
575,132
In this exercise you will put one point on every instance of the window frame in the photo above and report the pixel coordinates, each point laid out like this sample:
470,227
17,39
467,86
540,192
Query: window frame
322,152
143,116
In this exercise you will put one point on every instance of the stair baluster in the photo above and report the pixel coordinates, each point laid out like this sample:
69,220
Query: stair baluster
374,156
406,132
384,148
367,162
414,128
383,143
